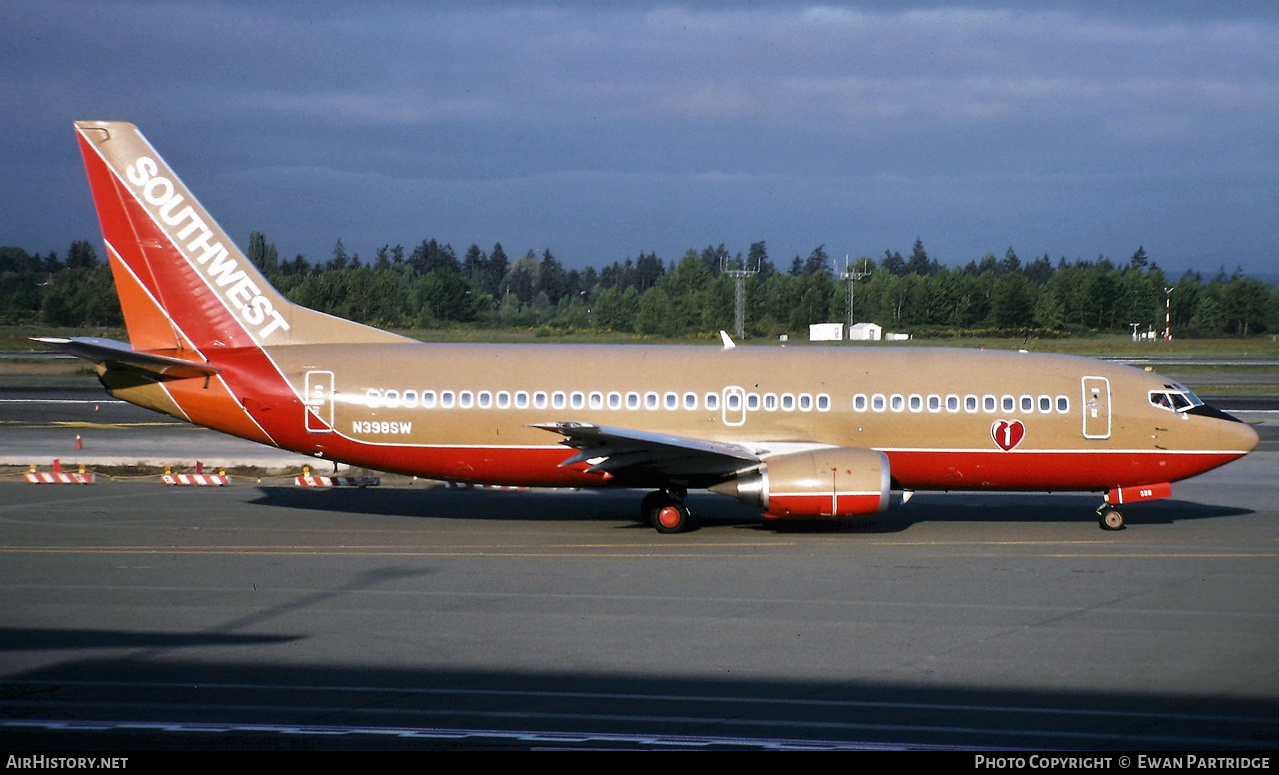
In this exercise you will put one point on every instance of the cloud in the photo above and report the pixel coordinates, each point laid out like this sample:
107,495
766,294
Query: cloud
763,121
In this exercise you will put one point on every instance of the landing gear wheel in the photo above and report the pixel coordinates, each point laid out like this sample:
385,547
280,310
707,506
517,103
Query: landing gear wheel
1109,518
665,513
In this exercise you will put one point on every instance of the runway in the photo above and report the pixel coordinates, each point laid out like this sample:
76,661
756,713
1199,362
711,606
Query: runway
136,616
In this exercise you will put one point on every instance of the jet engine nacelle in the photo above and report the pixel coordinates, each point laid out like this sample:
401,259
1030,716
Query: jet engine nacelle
834,482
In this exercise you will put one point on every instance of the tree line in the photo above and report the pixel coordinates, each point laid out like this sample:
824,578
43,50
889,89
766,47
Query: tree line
430,286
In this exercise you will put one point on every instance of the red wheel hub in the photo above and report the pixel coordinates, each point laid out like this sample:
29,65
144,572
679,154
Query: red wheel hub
669,516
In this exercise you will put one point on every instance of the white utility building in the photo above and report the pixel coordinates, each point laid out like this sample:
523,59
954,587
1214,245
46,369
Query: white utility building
866,332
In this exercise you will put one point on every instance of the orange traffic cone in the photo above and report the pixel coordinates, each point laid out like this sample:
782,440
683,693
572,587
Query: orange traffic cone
57,465
78,443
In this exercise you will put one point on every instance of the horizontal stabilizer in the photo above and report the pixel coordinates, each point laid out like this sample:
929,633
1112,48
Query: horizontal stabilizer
119,355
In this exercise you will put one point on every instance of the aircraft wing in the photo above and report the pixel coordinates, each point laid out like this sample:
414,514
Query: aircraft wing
119,355
645,457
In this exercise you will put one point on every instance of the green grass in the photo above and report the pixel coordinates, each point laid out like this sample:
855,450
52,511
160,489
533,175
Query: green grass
19,337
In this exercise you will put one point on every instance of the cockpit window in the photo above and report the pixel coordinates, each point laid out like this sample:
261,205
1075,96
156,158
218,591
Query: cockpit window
1189,396
1174,398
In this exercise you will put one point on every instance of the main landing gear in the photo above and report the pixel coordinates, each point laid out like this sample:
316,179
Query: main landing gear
665,510
1109,518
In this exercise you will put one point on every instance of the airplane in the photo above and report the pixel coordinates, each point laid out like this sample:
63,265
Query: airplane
799,433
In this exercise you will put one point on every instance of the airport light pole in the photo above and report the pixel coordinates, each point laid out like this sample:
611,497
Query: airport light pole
851,277
739,276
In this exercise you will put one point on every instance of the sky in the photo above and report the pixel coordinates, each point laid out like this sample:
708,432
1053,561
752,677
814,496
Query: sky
603,130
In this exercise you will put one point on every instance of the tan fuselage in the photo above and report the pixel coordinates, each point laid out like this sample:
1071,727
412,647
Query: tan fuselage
1085,424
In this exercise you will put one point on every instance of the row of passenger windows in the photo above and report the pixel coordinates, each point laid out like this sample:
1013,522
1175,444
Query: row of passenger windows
734,401
484,399
878,402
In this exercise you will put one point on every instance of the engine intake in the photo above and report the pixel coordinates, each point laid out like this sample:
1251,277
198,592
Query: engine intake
834,482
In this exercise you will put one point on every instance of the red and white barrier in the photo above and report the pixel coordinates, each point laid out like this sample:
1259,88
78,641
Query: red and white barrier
197,479
38,477
57,476
309,480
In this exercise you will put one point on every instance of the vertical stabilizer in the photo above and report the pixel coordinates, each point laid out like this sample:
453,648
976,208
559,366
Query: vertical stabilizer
182,282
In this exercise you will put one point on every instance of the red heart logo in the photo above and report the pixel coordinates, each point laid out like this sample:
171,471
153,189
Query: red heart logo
1007,433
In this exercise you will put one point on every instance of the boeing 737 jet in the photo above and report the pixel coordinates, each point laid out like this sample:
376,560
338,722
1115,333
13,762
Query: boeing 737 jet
802,432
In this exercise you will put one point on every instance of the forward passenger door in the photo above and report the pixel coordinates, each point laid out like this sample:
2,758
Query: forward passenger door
1096,407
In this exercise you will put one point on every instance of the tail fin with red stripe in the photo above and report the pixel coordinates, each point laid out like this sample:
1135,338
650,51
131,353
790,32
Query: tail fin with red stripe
183,284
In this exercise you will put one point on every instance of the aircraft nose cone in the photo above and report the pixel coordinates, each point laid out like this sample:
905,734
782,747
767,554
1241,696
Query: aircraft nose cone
1244,435
1233,434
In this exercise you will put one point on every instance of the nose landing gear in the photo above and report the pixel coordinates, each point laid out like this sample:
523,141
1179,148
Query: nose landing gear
1109,518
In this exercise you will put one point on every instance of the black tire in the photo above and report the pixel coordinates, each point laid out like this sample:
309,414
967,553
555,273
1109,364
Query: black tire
1109,518
665,513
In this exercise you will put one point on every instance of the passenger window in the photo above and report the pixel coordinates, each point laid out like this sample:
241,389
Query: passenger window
558,400
632,401
712,401
1009,403
651,401
970,403
788,402
877,402
539,400
916,403
952,403
672,401
805,402
823,402
503,399
1028,403
410,398
446,399
428,399
859,402
897,403
988,403
734,402
934,403
1045,404
465,399
485,399
577,399
596,400
690,401
614,400
770,402
1063,404
752,401
373,398
392,398
521,399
